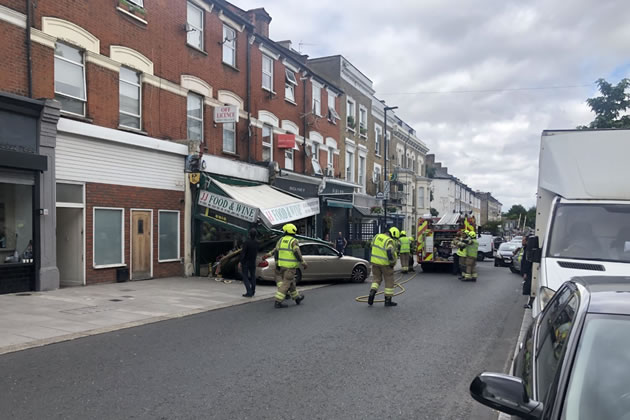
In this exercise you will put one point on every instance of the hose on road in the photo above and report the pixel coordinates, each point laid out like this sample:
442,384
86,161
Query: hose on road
397,285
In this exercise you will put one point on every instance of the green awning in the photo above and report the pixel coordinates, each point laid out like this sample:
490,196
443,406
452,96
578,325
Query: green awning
341,204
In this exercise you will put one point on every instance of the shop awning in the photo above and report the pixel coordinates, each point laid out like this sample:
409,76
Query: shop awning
275,206
338,203
366,212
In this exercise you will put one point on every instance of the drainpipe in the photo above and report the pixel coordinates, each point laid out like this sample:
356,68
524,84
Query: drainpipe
248,104
304,130
29,57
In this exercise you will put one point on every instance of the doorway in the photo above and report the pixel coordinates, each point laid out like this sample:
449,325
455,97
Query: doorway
70,259
141,240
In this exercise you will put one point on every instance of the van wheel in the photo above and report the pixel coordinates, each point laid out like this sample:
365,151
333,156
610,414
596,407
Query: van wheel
496,263
480,257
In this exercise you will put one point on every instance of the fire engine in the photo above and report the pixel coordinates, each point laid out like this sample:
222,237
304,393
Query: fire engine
435,236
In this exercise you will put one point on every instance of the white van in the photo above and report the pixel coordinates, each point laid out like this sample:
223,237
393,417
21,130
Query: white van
486,247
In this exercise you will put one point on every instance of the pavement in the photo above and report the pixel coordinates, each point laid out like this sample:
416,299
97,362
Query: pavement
39,318
329,358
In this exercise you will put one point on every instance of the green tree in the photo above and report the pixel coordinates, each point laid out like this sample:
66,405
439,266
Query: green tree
434,212
607,107
493,227
531,217
515,211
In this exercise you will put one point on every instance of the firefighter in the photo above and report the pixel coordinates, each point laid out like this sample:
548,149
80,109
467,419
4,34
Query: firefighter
383,260
471,257
288,258
459,259
405,251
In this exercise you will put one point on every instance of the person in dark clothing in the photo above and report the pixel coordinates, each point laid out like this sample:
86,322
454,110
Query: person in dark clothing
247,265
341,243
526,272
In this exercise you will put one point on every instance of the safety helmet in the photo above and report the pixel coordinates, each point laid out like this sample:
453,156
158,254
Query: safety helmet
289,228
403,233
394,232
472,234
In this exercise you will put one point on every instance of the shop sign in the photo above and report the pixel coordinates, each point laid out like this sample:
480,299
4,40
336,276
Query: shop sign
226,114
18,133
288,213
228,206
286,141
302,189
332,188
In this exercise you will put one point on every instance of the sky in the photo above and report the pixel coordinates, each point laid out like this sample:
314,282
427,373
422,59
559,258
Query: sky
426,56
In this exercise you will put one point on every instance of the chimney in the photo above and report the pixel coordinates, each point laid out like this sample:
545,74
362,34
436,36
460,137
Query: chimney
260,19
286,44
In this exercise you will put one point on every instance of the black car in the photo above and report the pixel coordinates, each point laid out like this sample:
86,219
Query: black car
574,362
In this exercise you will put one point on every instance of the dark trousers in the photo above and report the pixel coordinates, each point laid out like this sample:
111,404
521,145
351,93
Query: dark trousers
249,278
456,269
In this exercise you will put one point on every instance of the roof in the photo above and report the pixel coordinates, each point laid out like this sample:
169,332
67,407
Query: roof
608,294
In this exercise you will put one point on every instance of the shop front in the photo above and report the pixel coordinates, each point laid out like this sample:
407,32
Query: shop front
27,194
305,187
336,204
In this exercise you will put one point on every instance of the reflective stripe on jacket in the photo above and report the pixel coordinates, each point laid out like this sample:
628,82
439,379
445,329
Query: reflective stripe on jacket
405,245
380,244
286,256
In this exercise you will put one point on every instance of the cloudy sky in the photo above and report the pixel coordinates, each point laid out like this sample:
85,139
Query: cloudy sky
412,49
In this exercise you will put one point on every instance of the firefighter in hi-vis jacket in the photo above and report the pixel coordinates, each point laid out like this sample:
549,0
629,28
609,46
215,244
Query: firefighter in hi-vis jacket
383,260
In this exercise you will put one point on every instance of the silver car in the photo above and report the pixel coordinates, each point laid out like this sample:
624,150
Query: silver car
324,263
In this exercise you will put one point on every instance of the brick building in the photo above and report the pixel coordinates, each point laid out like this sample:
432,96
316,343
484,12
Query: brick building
138,82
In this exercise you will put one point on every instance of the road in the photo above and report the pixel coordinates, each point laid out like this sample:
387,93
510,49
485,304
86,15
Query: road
330,358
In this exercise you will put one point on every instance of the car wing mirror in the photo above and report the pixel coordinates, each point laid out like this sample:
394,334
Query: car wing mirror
534,253
505,393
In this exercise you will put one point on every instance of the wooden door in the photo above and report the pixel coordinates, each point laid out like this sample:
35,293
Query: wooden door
140,245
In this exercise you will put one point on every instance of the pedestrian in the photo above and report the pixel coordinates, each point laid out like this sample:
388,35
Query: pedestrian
383,260
526,272
472,248
247,264
405,251
288,258
341,243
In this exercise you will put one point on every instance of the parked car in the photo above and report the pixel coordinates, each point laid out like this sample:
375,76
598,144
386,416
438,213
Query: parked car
486,247
324,263
517,239
505,254
515,267
572,363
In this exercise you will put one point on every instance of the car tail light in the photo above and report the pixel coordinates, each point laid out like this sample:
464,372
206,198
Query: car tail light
263,263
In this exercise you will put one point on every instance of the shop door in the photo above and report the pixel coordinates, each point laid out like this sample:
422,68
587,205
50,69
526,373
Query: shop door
140,245
70,246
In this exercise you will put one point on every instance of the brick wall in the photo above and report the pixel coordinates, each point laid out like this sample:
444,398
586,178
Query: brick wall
103,195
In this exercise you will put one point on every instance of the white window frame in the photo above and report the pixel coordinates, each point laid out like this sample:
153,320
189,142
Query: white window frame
289,85
351,105
225,125
317,99
122,238
333,116
363,124
82,65
331,158
229,44
288,160
188,116
377,170
137,2
349,166
179,233
315,146
194,27
378,139
139,86
264,73
362,171
269,144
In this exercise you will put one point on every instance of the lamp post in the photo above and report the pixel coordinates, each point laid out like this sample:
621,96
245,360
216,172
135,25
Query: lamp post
387,108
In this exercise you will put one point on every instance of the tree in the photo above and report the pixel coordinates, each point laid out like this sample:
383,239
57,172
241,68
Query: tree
434,212
531,217
515,211
613,101
493,227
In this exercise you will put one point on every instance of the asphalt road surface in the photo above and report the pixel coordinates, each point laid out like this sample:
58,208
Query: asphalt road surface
329,358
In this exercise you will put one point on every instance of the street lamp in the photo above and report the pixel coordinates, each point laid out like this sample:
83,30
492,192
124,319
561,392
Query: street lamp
387,108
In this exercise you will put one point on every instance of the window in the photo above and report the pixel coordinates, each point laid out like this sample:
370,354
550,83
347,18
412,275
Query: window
315,149
361,170
326,251
229,137
289,86
377,174
317,100
195,117
350,166
138,2
421,197
70,79
194,26
288,159
331,157
267,143
267,73
332,112
378,139
130,99
388,138
351,112
363,123
229,46
108,237
168,230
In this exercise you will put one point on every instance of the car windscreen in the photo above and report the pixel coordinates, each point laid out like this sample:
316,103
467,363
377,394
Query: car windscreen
591,231
599,385
506,246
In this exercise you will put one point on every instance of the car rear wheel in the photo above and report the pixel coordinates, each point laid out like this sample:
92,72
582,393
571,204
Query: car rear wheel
514,270
359,274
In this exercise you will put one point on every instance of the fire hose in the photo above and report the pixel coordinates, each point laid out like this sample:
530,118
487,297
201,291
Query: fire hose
398,287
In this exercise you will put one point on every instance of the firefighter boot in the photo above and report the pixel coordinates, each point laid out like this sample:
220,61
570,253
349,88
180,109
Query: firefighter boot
299,299
279,305
388,301
371,297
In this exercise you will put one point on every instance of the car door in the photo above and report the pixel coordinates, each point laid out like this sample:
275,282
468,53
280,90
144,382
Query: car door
554,330
309,253
331,268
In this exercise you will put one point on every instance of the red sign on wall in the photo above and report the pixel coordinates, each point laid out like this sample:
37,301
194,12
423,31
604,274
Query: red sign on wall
286,141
